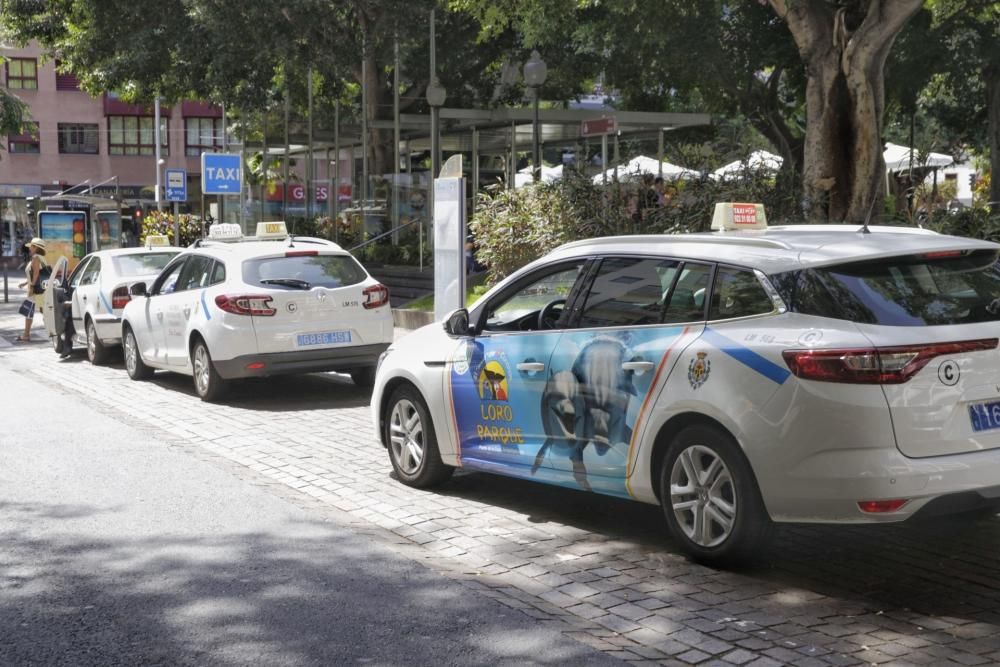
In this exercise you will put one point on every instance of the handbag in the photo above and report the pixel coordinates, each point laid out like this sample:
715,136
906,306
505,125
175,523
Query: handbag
27,309
44,273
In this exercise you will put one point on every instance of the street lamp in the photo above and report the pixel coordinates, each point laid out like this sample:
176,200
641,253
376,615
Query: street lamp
535,71
436,95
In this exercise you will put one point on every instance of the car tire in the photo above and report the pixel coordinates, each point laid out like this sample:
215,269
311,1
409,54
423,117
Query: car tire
57,343
710,498
208,384
134,365
364,376
97,353
410,439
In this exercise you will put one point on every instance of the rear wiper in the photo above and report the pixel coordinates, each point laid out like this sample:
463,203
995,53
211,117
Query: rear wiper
287,282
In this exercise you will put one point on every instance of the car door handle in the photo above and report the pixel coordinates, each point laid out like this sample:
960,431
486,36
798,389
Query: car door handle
531,367
637,366
159,316
187,312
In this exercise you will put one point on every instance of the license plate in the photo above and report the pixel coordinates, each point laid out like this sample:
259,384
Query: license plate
985,416
324,338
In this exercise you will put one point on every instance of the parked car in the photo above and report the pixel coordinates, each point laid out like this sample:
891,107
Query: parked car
736,378
233,307
99,289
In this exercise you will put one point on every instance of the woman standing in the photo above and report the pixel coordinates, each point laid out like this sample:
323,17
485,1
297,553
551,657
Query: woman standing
32,271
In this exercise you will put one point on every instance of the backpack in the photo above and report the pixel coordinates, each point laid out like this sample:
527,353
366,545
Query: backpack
44,273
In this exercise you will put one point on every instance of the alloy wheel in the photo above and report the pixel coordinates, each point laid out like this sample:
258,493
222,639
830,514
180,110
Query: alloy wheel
130,353
703,496
406,436
91,341
201,369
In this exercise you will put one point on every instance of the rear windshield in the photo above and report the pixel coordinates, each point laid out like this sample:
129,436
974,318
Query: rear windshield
303,272
911,290
145,264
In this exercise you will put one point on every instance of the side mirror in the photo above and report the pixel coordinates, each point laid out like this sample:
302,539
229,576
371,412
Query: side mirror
457,323
139,289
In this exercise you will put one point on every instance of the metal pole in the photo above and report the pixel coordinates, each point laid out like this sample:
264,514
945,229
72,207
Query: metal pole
659,152
156,151
536,151
336,175
475,162
395,140
284,187
243,161
310,165
604,159
264,167
329,186
177,223
225,149
364,126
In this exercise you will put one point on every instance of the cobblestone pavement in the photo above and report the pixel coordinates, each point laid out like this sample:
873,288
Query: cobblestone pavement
602,570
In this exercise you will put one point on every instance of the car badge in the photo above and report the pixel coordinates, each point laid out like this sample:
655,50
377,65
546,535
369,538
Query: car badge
321,296
699,369
292,307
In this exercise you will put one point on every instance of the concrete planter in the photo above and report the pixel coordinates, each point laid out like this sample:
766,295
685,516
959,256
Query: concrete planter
411,319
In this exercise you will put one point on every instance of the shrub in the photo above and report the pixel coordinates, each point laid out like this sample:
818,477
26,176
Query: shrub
162,223
975,222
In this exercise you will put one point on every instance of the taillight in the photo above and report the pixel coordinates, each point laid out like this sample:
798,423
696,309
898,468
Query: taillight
375,296
120,297
881,506
876,365
245,305
301,253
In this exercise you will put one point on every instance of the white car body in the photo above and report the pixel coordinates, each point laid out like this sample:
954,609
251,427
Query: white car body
820,451
100,286
255,329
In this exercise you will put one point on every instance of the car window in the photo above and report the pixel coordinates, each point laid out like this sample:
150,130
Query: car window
687,300
519,311
195,274
911,290
143,264
77,274
166,283
628,292
303,271
92,272
218,273
738,293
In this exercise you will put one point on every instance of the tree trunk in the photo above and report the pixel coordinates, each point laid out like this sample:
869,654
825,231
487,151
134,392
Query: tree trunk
992,76
843,169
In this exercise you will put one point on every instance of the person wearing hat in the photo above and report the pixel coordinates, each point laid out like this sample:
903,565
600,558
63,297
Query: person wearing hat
33,271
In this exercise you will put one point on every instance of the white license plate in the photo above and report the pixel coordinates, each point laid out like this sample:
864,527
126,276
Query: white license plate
324,338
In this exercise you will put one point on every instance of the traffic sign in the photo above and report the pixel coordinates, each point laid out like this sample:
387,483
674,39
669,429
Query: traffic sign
221,173
177,184
596,127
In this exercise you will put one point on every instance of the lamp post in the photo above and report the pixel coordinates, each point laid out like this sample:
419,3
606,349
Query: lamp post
535,71
436,95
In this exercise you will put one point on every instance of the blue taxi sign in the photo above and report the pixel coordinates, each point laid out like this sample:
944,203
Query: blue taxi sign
177,189
221,173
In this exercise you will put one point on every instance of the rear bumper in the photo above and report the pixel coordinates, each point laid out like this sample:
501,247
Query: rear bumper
300,361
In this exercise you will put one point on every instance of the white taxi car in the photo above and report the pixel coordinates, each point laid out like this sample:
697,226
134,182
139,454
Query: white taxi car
789,374
100,290
233,307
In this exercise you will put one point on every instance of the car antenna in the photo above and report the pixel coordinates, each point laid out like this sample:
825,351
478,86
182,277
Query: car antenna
871,210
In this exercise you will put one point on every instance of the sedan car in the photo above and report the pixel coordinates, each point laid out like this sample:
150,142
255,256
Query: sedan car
737,378
233,307
99,288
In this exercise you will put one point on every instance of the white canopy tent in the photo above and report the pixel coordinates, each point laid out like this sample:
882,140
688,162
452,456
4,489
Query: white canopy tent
897,158
549,174
756,162
646,165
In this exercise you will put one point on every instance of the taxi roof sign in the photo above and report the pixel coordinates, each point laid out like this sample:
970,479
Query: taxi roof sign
225,231
732,216
272,230
157,240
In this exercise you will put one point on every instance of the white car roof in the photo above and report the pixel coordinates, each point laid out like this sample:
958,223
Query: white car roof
246,249
781,248
140,250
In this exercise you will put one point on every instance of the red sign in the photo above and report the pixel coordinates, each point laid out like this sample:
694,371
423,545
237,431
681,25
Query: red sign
596,127
744,214
297,192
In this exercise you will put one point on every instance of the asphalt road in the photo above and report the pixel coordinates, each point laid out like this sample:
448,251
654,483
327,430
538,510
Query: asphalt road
118,548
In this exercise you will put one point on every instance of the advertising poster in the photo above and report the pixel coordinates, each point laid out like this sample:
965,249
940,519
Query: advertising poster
63,233
109,229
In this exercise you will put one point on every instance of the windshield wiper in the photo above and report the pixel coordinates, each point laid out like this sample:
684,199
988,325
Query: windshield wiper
287,282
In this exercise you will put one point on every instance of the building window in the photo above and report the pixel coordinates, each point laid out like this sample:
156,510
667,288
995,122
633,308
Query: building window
22,73
78,138
64,80
133,135
202,135
26,142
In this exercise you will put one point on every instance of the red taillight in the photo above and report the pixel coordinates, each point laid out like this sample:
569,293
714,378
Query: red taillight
120,297
255,366
301,253
881,506
876,365
245,305
942,254
375,296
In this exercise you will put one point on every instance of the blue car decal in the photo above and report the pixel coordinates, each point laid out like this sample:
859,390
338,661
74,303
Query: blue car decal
104,300
204,306
746,356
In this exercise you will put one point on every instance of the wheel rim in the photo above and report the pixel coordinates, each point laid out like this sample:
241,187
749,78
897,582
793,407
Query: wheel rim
91,340
703,496
406,436
131,354
201,363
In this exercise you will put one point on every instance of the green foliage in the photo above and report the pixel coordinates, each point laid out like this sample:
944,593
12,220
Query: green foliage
974,222
13,112
162,223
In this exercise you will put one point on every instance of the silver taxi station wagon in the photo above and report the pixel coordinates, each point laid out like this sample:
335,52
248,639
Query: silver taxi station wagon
751,375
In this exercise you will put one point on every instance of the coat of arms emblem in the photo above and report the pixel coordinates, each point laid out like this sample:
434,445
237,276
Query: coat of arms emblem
698,370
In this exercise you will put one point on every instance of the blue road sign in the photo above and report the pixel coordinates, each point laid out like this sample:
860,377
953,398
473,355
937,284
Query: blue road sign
177,184
221,173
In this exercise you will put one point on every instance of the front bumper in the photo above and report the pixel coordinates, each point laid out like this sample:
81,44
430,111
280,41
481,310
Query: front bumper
300,361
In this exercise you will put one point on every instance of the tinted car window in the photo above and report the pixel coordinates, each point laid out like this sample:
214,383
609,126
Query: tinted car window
92,272
77,274
150,263
195,273
303,271
166,283
911,290
627,292
687,300
545,287
218,273
738,293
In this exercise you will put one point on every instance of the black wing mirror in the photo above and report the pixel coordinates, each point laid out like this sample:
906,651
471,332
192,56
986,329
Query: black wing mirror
139,289
457,323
